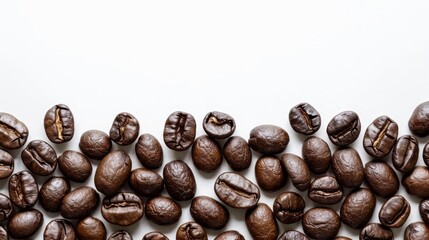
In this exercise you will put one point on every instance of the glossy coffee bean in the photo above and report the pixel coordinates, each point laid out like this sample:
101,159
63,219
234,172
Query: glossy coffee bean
289,207
416,231
317,155
304,119
79,203
237,153
419,120
405,153
23,189
261,223
75,166
321,223
122,209
24,224
209,212
146,182
7,164
297,170
39,157
394,212
426,154
59,229
120,235
206,154
125,129
325,190
179,180
293,235
424,210
13,133
179,131
376,231
91,228
6,207
163,210
155,235
268,139
270,173
357,208
218,125
3,234
381,178
348,167
52,193
149,151
417,182
191,231
95,144
380,137
344,128
230,235
59,124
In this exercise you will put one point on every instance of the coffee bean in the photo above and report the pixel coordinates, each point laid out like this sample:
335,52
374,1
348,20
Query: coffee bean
325,190
125,129
321,223
39,157
218,125
394,212
6,207
348,167
268,139
59,229
342,238
375,231
209,212
6,164
230,235
59,124
380,136
304,119
357,208
75,166
23,189
424,210
426,154
79,203
122,209
163,210
405,153
179,131
3,234
416,231
236,191
112,172
237,153
120,235
91,228
179,180
289,207
417,182
261,223
52,193
381,178
298,171
270,173
316,153
206,154
419,119
344,128
149,151
25,224
13,133
155,235
293,235
146,183
95,144
191,231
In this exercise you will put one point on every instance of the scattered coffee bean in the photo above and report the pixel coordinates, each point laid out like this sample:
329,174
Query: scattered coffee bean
75,166
122,209
375,231
206,154
146,182
325,190
293,235
237,153
424,210
120,235
405,153
52,193
316,153
179,131
268,139
261,223
39,157
59,229
348,167
218,125
23,189
357,208
417,182
91,228
381,178
79,203
297,170
125,129
270,173
7,164
95,144
289,207
380,137
209,212
25,224
163,210
179,180
419,120
321,223
13,133
3,234
426,154
394,212
155,235
191,231
6,207
230,235
416,231
344,128
149,151
304,119
59,124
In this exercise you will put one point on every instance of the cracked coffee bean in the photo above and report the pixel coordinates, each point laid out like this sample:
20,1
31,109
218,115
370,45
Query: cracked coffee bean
179,131
59,124
40,158
123,209
191,231
23,189
380,137
344,128
125,129
59,229
218,125
7,164
13,133
304,119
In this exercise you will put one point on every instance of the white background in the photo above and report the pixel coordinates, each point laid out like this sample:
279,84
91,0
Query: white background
252,60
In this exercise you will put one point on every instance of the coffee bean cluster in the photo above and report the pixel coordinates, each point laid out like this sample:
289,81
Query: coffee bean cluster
308,174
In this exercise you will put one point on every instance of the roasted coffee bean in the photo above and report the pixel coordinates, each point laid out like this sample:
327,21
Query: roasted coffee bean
417,182
120,235
52,193
112,172
268,139
75,166
23,189
39,157
179,131
163,210
394,212
405,153
125,129
237,153
59,229
357,208
293,235
419,120
79,203
13,133
206,154
316,153
95,144
261,223
236,191
426,154
218,125
348,167
149,151
321,223
59,124
3,234
297,170
25,224
416,231
191,231
270,173
155,235
424,210
325,190
304,119
6,164
344,128
146,183
179,180
375,231
380,137
122,209
6,207
230,235
381,178
289,207
209,212
91,228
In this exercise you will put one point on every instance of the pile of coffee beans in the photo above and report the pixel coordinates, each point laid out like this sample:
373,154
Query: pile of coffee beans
326,176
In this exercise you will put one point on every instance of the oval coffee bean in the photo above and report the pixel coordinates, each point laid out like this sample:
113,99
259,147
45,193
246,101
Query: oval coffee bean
304,119
206,154
13,133
424,210
344,128
149,151
125,129
380,136
230,235
297,170
179,180
59,124
112,172
289,207
293,235
405,153
179,131
381,178
39,157
209,212
261,223
348,167
270,173
426,154
357,208
316,153
419,120
321,223
3,234
155,235
191,231
237,153
146,183
6,207
25,224
218,125
325,190
394,212
52,193
95,144
163,210
59,229
236,191
120,235
91,228
23,189
268,139
7,164
79,203
417,182
416,231
122,209
375,231
75,166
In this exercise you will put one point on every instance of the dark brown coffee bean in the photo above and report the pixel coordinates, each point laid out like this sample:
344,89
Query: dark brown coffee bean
230,235
405,153
293,235
380,136
6,207
289,207
424,210
417,182
91,228
125,129
209,212
268,139
357,208
316,153
59,124
426,154
6,164
13,133
304,119
321,223
419,120
95,144
146,183
344,128
179,131
120,235
237,153
79,203
325,190
52,193
416,231
206,154
149,151
270,173
191,231
236,191
375,231
59,229
39,157
122,209
179,180
23,189
297,170
3,234
218,125
348,167
155,235
163,210
381,178
394,212
75,166
112,172
261,223
25,224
